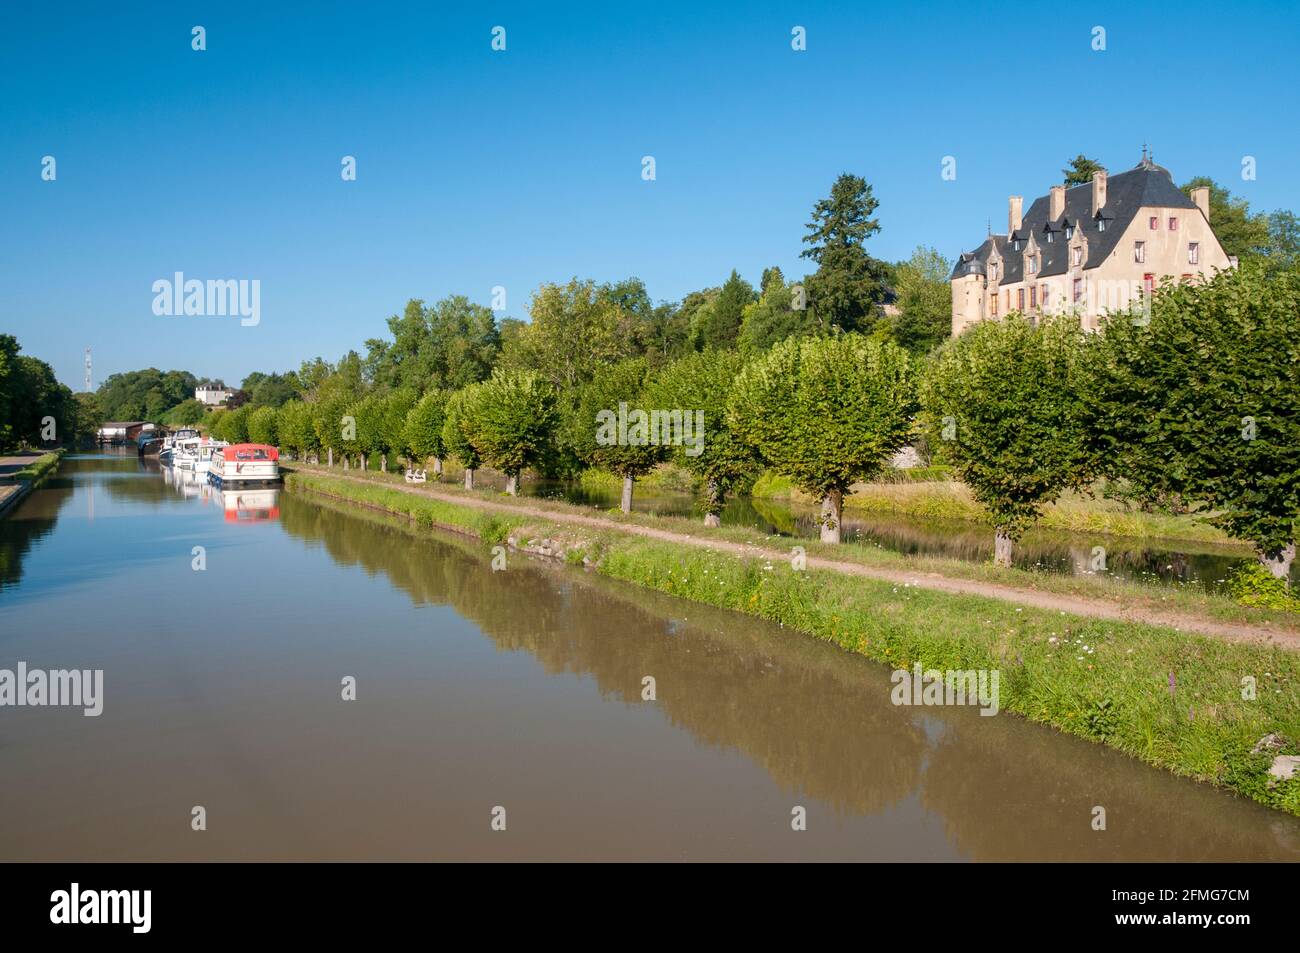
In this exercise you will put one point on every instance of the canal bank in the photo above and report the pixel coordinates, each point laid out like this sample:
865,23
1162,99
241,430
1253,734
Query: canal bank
18,474
1200,706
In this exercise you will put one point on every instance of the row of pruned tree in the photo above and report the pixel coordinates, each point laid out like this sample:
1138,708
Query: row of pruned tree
1198,400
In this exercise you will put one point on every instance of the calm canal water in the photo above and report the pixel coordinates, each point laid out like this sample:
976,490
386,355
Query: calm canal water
476,689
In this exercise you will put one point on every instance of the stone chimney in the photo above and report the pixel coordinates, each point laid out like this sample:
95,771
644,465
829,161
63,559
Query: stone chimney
1201,196
1014,206
1098,191
1057,206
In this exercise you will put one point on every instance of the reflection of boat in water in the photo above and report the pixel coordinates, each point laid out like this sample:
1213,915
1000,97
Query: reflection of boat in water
190,484
251,506
243,464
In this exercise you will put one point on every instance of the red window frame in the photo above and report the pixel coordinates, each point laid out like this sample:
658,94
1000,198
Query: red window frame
1173,223
1148,284
1155,223
1078,289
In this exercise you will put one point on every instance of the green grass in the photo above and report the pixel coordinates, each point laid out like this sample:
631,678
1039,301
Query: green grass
38,468
1105,681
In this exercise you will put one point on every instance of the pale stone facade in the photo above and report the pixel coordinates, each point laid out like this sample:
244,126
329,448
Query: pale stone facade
1088,250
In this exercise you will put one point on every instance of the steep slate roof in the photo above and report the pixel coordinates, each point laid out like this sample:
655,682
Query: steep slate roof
1145,185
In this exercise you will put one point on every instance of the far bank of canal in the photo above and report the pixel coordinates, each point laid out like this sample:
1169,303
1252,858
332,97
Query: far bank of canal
524,689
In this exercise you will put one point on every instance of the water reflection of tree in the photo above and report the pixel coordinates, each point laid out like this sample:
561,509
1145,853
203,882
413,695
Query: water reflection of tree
819,721
1010,790
33,519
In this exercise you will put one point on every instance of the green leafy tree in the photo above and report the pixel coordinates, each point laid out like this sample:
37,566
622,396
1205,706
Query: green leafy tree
575,328
615,394
511,422
264,425
775,316
424,425
456,431
394,409
1204,400
1002,406
1283,248
924,318
825,412
232,426
90,417
717,323
1080,170
270,390
187,413
368,413
846,290
145,394
699,387
297,434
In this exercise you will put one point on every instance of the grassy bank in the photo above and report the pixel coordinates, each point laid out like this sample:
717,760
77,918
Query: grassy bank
38,468
947,499
1169,698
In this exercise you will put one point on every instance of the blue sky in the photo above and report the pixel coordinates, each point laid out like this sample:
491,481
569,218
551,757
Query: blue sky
478,168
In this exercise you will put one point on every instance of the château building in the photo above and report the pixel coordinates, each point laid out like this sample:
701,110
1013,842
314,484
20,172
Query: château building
1089,249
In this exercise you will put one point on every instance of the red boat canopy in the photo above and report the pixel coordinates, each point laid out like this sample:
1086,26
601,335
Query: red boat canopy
250,451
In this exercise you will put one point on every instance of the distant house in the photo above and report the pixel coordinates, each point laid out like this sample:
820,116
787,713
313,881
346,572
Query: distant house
1088,250
212,396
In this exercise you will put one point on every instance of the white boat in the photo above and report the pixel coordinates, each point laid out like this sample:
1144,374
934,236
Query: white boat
195,453
244,464
167,455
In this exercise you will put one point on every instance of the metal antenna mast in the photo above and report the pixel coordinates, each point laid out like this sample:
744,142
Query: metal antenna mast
87,370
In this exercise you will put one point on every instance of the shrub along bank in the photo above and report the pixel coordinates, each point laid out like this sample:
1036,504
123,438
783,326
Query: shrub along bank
1194,705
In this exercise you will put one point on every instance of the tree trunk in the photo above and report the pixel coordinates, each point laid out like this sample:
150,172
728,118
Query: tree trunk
365,459
1001,548
831,509
713,503
469,478
347,463
383,463
437,466
1281,566
626,503
512,484
330,451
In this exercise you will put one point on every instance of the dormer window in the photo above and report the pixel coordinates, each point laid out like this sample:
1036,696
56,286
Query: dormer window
1101,224
1016,245
993,270
1069,232
1049,238
1033,265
